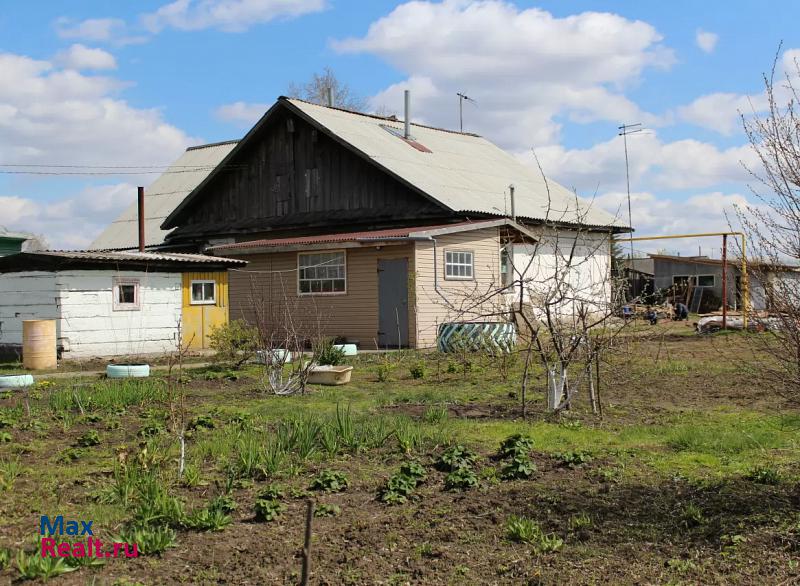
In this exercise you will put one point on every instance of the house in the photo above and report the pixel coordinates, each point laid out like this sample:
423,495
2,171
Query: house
638,275
114,303
310,188
679,274
161,198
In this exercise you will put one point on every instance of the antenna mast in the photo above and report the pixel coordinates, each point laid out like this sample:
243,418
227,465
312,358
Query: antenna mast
461,98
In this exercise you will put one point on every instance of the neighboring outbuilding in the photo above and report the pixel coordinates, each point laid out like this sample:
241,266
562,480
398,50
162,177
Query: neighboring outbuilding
114,303
686,275
14,242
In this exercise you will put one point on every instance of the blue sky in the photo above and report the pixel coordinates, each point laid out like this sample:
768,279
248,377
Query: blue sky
100,83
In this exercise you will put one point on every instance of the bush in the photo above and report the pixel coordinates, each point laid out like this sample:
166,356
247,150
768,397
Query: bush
327,354
234,342
417,370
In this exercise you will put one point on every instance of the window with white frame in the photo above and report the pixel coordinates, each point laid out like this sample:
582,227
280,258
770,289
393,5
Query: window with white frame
458,264
321,273
126,295
203,293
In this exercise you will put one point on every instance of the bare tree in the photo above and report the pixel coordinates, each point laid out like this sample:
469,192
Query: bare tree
316,90
773,228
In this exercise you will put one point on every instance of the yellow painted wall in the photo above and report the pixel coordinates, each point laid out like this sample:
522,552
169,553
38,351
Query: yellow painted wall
198,320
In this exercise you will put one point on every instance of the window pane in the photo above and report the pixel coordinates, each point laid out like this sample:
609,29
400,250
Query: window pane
127,293
208,292
197,291
338,285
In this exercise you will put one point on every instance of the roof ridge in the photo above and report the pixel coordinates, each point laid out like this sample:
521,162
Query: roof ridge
379,117
212,144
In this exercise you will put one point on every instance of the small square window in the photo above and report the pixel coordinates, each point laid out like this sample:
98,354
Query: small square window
126,295
458,265
203,293
705,280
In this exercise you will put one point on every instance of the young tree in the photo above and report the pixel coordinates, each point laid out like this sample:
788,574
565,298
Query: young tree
772,227
316,90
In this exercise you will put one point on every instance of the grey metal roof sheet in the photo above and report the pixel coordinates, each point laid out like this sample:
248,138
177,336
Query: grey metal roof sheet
161,197
465,172
136,256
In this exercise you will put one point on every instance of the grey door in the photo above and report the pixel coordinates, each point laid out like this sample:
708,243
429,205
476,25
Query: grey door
393,303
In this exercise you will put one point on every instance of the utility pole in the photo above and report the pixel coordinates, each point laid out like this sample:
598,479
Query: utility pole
624,131
461,98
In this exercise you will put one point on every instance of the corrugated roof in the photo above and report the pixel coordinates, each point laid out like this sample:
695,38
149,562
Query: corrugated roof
369,235
161,197
465,172
136,256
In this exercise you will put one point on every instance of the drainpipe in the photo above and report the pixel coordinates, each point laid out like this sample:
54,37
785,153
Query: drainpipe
141,218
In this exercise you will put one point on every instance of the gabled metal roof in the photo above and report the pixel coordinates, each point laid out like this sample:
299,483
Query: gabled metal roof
462,172
50,260
161,197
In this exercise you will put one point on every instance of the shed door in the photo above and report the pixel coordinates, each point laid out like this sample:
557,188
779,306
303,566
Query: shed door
393,303
205,306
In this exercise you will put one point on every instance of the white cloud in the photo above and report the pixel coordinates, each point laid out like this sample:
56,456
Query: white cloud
113,31
525,68
707,41
82,57
71,222
721,111
226,15
242,113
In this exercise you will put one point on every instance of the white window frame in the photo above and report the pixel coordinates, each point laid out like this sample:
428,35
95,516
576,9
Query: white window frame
137,295
693,280
343,252
471,265
194,282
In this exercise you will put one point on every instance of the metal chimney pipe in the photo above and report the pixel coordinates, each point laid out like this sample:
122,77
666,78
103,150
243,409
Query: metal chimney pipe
407,129
513,206
141,218
330,96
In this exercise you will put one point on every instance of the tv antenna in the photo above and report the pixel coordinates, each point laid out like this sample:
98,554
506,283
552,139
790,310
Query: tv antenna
461,99
624,131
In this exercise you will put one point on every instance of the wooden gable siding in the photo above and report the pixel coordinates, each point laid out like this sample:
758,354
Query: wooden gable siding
433,308
270,282
290,172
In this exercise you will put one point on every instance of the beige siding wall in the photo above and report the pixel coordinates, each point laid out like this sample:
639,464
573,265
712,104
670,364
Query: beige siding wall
270,282
455,299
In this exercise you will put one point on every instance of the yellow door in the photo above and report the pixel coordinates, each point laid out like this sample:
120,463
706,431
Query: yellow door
205,305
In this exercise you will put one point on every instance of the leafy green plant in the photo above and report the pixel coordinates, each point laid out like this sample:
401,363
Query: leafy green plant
224,503
515,445
201,421
5,437
191,476
208,519
436,414
324,510
272,492
417,370
35,567
149,540
692,516
9,472
574,459
520,466
88,439
268,509
327,353
413,469
461,479
384,372
5,558
234,343
456,457
581,522
524,530
329,481
764,475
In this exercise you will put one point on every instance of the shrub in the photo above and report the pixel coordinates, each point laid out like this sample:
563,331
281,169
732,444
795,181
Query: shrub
417,370
268,509
235,342
329,481
384,372
461,479
326,354
764,475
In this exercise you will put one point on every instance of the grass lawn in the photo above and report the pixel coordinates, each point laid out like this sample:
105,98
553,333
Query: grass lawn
689,477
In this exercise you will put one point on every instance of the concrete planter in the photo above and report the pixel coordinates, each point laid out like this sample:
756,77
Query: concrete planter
15,381
128,370
329,375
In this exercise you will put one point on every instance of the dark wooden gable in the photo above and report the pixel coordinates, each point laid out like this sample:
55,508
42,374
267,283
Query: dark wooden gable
291,175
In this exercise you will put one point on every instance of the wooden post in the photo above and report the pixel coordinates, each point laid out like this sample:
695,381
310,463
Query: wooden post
724,281
307,544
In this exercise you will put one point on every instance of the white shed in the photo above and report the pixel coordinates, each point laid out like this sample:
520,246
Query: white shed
104,303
